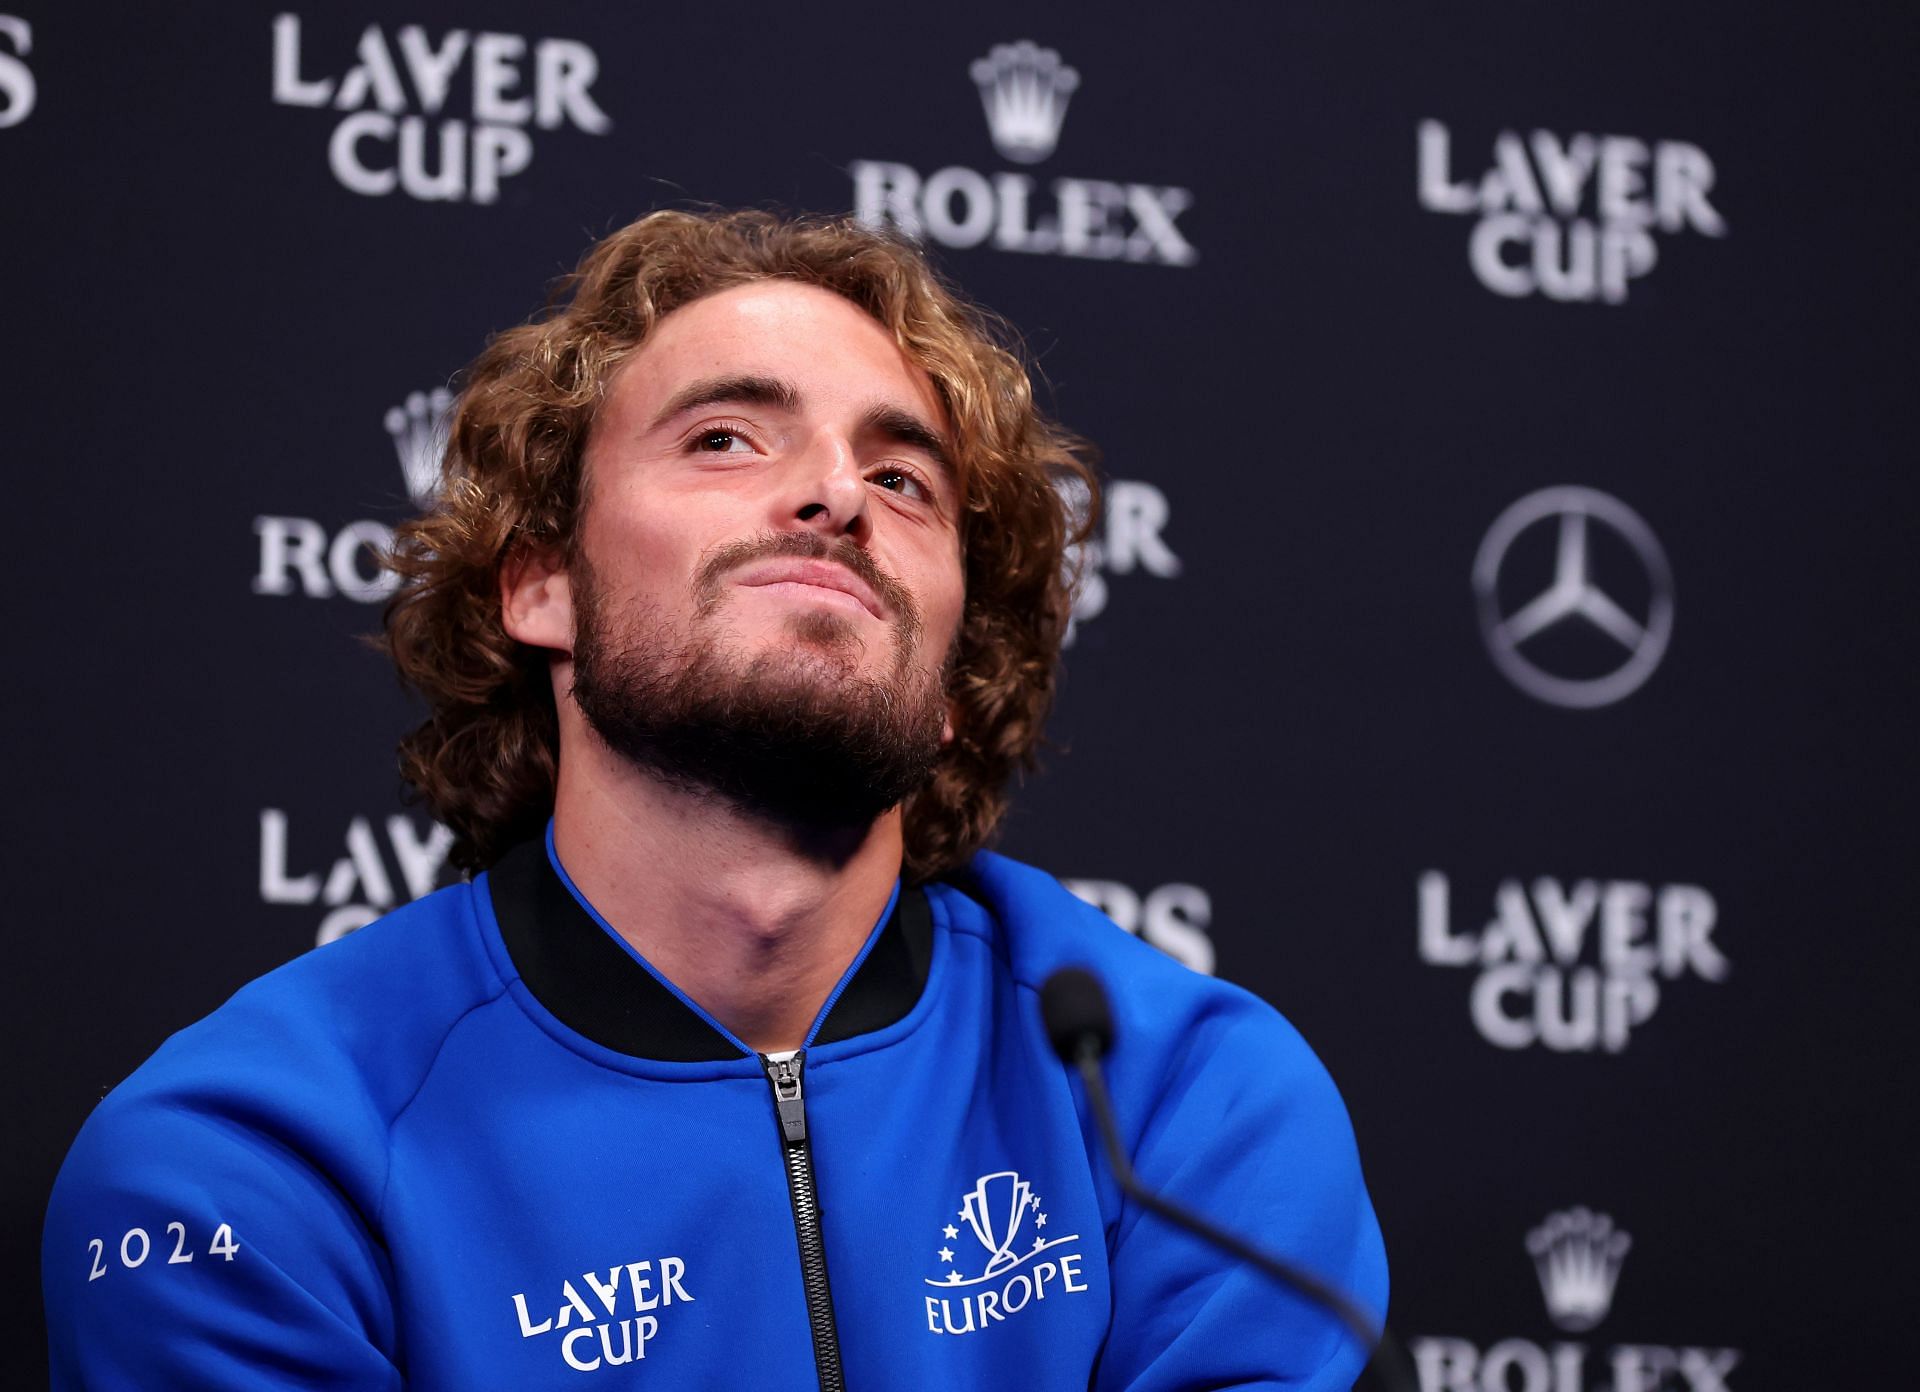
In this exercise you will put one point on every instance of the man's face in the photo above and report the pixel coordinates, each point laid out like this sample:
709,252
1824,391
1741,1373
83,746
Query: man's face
767,578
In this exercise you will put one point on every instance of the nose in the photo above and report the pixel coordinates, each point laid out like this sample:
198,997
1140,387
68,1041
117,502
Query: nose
825,491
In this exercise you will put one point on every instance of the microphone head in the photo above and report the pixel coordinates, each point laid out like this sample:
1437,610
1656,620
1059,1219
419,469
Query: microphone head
1073,1004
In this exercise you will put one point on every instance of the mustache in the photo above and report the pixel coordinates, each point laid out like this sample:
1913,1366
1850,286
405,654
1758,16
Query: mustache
809,546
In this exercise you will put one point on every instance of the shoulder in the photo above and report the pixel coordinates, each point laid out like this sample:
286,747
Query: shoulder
1222,1106
234,1182
1037,927
311,1060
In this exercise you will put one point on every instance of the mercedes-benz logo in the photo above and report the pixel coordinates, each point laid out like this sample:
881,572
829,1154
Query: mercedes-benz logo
1574,594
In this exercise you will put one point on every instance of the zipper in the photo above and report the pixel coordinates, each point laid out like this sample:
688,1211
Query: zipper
790,1111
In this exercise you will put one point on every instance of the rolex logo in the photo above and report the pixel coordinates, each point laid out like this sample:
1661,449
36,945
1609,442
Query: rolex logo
1025,89
419,430
1577,1255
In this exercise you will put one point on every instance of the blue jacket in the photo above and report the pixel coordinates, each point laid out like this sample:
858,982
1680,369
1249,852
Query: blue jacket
480,1144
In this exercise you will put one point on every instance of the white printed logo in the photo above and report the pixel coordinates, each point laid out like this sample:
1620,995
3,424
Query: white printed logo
1577,1255
1173,917
419,430
1632,645
1024,90
1133,517
1572,967
297,556
384,142
620,1328
18,91
357,887
993,1264
1541,231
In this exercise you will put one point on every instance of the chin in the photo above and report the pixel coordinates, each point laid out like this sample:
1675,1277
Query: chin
824,629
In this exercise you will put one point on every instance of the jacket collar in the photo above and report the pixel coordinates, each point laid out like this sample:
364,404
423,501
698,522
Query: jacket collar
592,984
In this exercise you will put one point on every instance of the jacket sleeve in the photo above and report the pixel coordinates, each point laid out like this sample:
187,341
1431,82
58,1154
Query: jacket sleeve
1247,1129
188,1247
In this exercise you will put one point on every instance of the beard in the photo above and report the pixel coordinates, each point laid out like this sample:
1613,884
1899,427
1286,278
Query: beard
796,734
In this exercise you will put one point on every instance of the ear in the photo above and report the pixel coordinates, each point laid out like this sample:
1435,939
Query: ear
946,727
536,599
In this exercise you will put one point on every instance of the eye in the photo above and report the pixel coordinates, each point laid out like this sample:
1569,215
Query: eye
720,442
903,482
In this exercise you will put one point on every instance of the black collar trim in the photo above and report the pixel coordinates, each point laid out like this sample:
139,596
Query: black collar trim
592,986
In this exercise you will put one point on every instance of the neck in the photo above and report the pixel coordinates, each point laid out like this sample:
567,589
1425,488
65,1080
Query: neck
754,920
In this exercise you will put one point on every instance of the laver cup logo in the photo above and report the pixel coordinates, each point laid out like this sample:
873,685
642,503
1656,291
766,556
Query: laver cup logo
1571,967
602,1321
1570,218
440,119
997,1258
1574,597
1024,91
344,874
1577,1255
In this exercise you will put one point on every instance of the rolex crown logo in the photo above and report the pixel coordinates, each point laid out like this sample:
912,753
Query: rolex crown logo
1577,1255
419,430
1024,89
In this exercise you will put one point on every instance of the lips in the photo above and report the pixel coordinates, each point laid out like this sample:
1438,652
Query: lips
825,575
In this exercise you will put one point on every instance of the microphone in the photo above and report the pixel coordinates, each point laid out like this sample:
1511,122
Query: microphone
1079,1021
1073,1005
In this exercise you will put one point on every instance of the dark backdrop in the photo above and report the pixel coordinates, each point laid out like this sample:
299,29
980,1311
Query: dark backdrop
1592,884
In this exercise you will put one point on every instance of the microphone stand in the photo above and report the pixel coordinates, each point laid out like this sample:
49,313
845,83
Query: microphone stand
1389,1361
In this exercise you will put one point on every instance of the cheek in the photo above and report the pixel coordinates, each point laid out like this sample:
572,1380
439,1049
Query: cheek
639,560
945,604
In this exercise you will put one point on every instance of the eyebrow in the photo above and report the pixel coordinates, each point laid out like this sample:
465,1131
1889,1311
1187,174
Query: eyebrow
905,428
746,390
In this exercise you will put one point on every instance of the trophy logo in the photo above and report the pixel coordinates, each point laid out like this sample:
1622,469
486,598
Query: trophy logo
1007,1219
996,1210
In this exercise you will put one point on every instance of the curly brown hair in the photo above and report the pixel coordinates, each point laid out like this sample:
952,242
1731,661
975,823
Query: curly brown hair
486,757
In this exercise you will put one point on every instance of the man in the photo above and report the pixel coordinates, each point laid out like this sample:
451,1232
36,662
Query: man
740,606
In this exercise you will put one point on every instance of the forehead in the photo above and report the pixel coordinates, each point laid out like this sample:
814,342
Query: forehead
833,352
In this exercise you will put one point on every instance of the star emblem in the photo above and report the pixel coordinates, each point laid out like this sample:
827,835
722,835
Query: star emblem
946,1254
1041,1221
953,1278
949,1232
1038,1243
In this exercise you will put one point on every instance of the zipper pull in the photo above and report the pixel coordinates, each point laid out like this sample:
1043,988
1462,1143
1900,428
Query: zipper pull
783,1071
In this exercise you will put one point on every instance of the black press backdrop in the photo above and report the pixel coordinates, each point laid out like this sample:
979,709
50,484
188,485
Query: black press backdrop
1498,653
